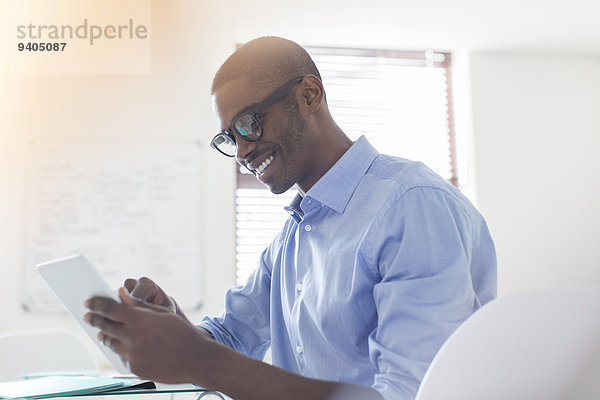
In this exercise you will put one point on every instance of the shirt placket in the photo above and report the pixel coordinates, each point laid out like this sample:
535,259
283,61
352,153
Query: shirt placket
303,264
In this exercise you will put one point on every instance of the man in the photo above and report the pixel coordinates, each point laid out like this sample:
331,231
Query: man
379,262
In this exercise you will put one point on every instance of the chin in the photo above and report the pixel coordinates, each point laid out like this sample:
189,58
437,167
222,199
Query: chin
278,189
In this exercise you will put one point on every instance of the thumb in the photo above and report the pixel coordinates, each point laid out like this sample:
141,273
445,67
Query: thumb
126,298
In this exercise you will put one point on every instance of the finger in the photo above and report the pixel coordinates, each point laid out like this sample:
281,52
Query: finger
108,308
130,284
126,298
129,300
148,291
113,343
105,325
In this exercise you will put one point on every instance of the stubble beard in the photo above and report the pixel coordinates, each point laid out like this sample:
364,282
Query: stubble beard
293,140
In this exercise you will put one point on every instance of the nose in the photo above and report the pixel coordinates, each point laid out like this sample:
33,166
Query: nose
243,149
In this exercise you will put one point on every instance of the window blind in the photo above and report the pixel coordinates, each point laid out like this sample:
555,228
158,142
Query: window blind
259,217
401,101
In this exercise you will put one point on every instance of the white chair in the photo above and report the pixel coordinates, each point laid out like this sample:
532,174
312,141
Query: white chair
528,346
47,350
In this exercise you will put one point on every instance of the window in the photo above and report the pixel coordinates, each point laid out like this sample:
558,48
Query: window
401,101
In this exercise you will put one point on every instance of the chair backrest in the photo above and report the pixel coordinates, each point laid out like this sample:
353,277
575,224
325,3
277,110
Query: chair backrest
47,350
535,345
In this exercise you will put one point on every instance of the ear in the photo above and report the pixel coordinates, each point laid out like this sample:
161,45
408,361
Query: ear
313,93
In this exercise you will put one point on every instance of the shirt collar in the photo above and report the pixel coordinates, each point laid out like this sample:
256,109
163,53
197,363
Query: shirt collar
336,187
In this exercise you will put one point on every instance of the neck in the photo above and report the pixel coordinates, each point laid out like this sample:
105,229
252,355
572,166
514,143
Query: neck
330,146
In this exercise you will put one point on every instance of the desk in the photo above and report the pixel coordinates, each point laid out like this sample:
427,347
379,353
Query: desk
143,392
201,393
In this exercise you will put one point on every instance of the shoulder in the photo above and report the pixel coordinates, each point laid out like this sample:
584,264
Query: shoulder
405,174
394,181
417,211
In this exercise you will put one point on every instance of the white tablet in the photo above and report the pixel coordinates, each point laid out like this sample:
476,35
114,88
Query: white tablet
73,279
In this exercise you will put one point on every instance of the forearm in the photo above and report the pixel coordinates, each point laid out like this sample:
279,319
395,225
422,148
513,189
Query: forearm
245,378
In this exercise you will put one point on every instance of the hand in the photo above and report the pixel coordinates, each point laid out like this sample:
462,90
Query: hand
156,344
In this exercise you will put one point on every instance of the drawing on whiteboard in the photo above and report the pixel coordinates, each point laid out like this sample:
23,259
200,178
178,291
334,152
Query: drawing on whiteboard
132,207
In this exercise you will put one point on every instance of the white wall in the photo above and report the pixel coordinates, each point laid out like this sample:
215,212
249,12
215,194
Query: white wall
171,102
537,191
537,146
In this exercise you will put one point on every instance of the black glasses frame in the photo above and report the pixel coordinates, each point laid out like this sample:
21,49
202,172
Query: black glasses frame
230,133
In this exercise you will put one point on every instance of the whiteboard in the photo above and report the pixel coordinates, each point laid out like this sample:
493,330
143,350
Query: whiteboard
132,207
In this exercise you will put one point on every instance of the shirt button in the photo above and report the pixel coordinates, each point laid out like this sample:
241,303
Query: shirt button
299,287
299,349
290,212
308,228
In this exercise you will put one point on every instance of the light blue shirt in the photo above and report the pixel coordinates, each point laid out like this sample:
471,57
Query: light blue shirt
377,265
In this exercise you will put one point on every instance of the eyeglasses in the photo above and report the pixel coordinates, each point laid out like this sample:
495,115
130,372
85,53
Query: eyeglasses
247,124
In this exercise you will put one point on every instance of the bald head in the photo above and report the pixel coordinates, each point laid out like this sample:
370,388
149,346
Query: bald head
267,62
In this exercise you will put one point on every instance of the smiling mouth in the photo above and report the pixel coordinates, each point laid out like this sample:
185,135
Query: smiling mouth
261,168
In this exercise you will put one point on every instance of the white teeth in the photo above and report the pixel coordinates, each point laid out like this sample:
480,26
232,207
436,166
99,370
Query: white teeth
260,169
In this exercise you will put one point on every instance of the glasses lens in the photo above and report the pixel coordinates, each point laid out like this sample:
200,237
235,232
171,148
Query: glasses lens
224,144
247,126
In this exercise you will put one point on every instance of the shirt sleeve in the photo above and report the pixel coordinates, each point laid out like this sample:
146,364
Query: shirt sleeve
421,248
244,324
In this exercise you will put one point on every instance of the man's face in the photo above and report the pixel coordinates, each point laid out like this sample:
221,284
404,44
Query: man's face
279,158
